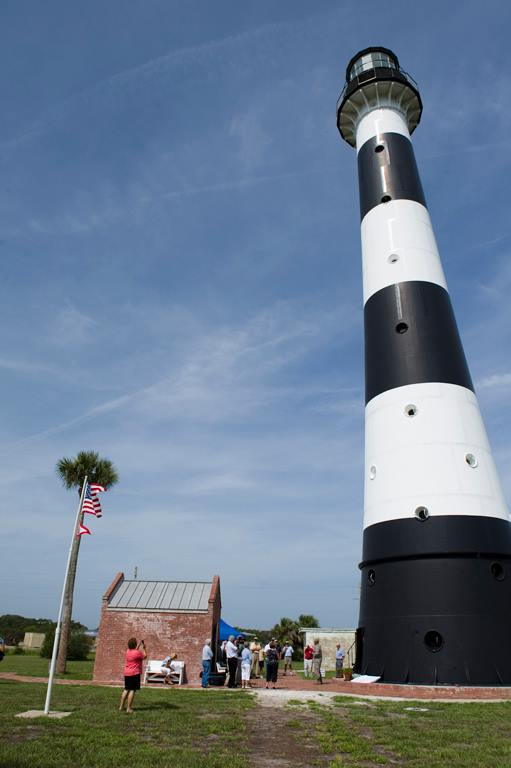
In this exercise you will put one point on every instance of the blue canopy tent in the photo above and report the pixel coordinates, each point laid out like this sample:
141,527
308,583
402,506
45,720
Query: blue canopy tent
225,630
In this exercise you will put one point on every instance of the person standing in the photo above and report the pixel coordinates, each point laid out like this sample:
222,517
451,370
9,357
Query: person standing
308,653
261,660
272,664
317,660
207,657
287,652
232,661
339,660
255,647
267,646
246,663
240,644
2,648
132,672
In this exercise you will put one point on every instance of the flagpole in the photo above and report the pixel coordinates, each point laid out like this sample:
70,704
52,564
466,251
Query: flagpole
59,619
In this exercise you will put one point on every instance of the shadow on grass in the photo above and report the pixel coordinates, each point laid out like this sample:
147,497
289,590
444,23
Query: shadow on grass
157,705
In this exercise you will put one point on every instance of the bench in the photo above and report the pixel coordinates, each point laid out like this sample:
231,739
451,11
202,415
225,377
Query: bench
153,673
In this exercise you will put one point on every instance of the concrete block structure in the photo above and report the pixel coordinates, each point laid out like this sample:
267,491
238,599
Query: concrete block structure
33,641
328,638
171,616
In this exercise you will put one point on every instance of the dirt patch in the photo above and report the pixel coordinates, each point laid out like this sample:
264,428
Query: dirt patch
367,733
208,716
282,697
29,733
279,737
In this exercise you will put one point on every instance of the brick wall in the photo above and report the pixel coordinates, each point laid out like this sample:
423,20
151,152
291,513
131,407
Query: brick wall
164,633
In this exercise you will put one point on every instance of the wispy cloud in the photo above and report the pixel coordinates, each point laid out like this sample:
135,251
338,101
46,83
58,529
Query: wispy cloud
495,380
226,374
86,217
71,326
254,139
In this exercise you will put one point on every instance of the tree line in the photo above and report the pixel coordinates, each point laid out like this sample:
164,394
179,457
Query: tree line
286,629
13,627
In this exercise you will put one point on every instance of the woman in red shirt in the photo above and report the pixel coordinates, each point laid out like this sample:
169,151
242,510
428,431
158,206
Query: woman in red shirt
132,672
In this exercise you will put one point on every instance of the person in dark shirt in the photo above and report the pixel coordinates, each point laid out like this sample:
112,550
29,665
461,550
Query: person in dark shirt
272,665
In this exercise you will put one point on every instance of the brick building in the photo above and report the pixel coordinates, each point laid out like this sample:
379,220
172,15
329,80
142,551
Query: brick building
171,616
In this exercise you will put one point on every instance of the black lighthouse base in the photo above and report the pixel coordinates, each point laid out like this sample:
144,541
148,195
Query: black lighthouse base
436,602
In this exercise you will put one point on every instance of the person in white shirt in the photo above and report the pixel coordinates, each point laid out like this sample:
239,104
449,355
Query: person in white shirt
207,655
288,658
169,669
231,651
339,660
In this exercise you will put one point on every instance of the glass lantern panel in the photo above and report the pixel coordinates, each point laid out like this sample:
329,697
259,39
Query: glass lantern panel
370,61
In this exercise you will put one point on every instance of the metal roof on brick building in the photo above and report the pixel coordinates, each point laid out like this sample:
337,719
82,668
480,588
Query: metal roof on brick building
185,596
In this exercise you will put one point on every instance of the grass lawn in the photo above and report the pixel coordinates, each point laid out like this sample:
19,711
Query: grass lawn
221,729
35,666
203,729
436,735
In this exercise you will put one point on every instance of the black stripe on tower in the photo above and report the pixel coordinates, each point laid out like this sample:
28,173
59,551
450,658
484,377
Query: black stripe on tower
451,623
438,535
411,337
387,171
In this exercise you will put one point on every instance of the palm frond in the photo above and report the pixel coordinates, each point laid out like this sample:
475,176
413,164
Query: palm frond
86,463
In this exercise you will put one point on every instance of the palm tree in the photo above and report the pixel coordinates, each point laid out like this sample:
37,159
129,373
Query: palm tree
308,620
287,629
72,473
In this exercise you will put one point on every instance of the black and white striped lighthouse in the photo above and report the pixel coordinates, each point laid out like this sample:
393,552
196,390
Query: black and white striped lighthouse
436,564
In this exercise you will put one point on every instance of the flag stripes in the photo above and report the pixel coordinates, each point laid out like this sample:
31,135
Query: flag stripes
91,504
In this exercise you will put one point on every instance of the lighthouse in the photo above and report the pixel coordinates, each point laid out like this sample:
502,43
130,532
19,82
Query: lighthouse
435,602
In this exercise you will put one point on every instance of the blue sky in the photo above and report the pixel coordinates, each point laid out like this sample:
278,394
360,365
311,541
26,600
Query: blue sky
181,283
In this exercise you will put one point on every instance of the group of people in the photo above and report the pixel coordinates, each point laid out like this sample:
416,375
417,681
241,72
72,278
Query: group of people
313,660
244,662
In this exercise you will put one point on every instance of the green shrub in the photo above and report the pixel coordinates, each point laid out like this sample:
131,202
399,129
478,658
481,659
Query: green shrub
18,650
78,646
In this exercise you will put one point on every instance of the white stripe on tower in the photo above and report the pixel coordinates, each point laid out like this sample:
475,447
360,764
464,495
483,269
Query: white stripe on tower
436,566
418,460
398,242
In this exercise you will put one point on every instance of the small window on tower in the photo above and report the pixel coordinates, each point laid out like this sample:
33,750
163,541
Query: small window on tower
433,641
422,513
471,460
497,571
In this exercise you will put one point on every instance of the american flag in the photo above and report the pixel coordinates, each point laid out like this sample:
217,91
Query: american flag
97,488
91,503
81,530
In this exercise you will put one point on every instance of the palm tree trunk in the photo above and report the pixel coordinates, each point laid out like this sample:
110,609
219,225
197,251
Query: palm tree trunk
68,608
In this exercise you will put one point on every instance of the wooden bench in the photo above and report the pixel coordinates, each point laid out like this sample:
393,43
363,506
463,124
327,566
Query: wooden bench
153,673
